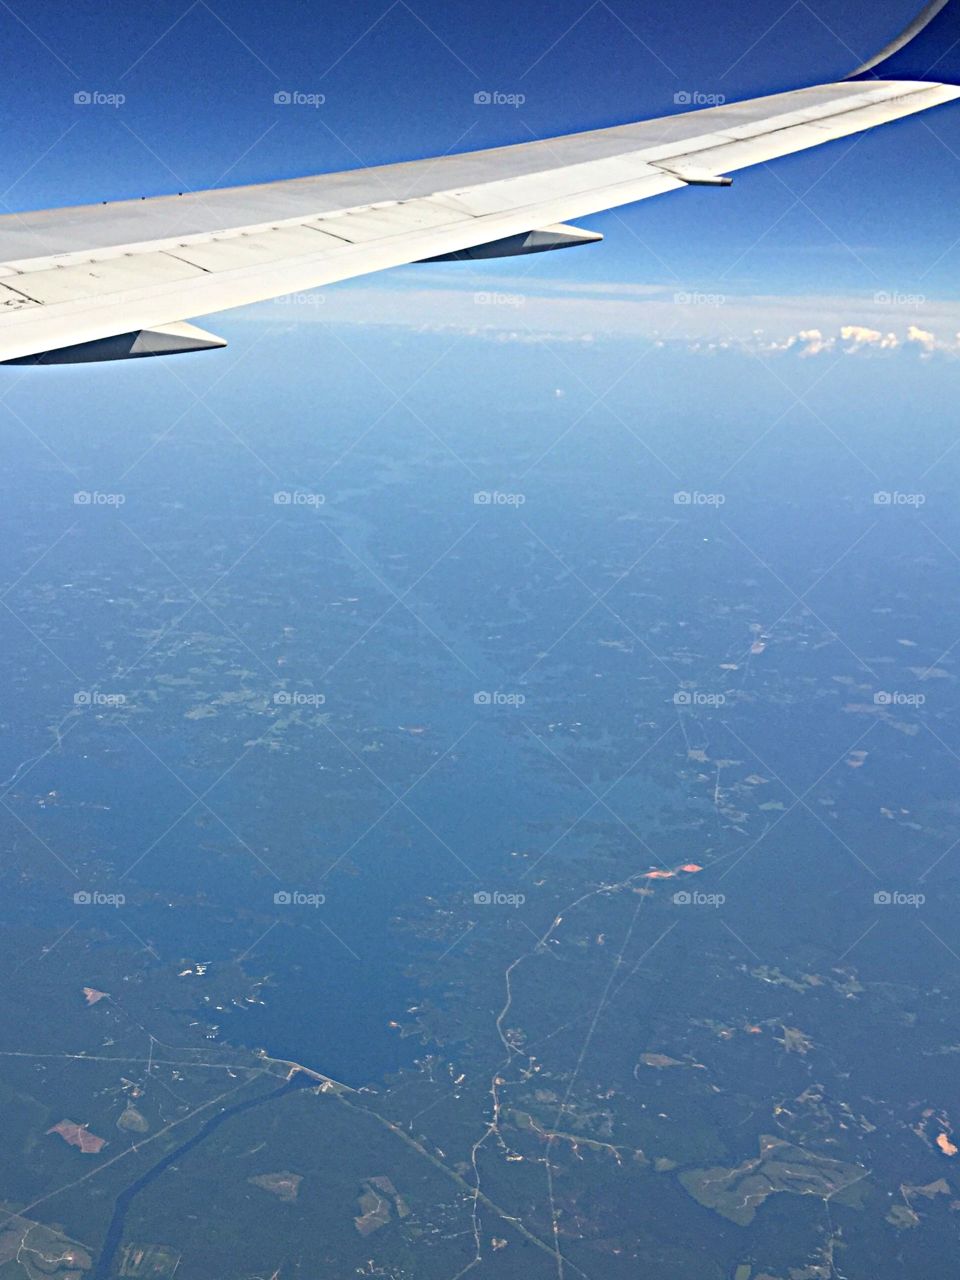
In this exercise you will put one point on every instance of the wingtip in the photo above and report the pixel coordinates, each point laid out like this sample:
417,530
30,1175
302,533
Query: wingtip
927,49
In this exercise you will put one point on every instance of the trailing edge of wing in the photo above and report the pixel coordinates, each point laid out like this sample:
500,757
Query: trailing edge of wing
117,280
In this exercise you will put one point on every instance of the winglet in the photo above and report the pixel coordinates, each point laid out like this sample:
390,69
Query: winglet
927,49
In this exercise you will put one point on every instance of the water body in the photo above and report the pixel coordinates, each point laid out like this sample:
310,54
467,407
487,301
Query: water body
114,1236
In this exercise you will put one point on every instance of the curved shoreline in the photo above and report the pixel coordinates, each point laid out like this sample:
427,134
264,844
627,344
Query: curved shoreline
297,1078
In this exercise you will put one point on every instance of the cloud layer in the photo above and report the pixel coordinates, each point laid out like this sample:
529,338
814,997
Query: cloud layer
518,310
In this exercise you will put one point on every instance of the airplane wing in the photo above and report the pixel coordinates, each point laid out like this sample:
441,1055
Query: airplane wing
109,281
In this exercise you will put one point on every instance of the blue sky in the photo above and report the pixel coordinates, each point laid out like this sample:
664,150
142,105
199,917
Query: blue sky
399,80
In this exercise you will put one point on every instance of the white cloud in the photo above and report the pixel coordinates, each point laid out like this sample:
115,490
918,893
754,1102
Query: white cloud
857,337
808,342
927,341
514,309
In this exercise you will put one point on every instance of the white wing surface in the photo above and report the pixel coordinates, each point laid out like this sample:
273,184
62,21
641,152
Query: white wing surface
113,280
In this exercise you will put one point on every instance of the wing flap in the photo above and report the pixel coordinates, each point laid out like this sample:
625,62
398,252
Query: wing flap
251,249
362,226
11,300
99,279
